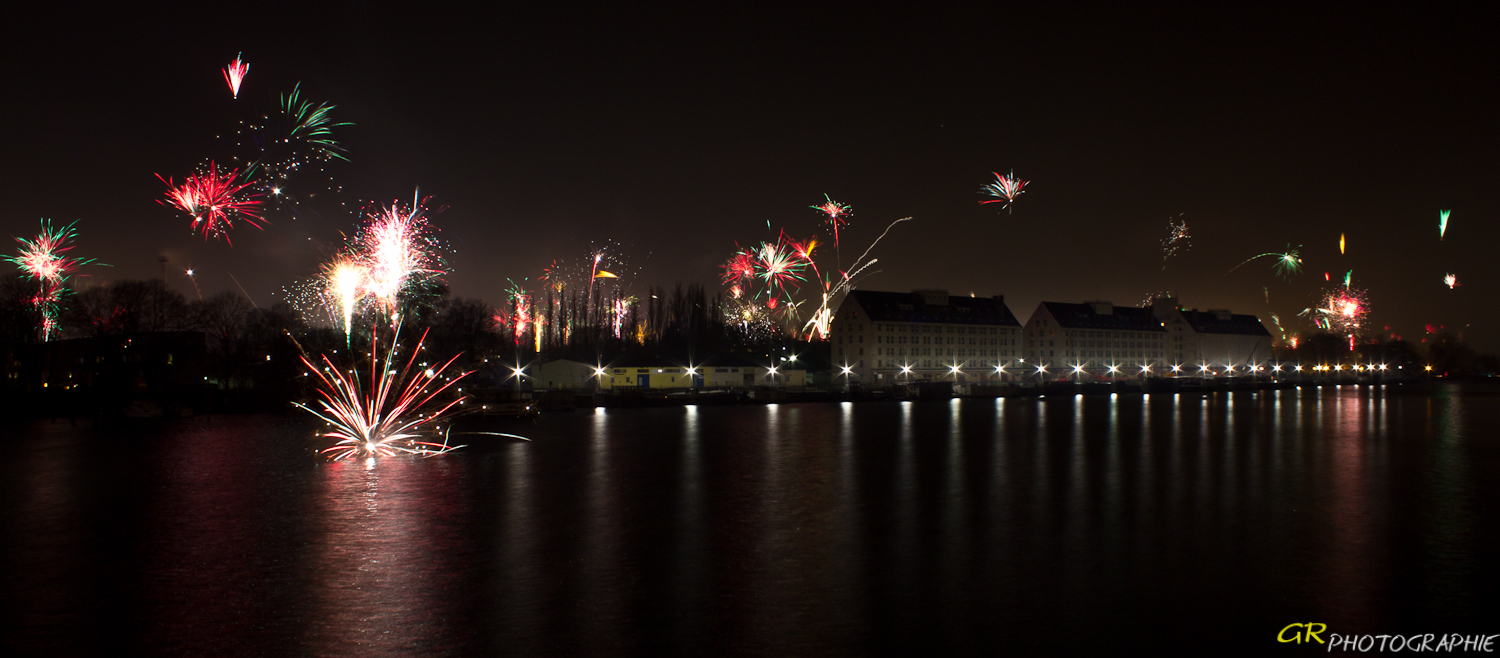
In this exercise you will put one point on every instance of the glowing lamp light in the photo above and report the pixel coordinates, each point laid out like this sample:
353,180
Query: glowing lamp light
1299,368
847,370
1077,369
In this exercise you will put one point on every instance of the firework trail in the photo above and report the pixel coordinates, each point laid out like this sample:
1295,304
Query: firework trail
1451,280
45,259
838,214
1348,278
234,74
343,279
193,278
1288,262
384,416
823,317
1341,243
1443,223
1177,239
214,200
1005,189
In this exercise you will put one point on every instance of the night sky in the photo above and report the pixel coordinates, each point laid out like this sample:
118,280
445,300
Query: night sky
678,134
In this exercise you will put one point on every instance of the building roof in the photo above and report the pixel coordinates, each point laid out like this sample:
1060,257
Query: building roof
908,307
1087,316
1210,322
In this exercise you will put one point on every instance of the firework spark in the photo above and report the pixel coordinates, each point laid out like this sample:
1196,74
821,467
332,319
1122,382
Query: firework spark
234,74
1178,239
1443,223
45,259
384,416
1342,311
344,278
395,250
1451,280
1005,189
1288,262
214,200
838,214
778,265
1341,243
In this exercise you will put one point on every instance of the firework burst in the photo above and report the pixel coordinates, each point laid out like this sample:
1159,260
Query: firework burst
838,215
1451,280
234,74
1287,263
396,250
45,259
1342,310
388,415
1178,239
214,200
1005,189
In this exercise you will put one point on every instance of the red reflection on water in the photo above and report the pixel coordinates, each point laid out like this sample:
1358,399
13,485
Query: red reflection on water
388,557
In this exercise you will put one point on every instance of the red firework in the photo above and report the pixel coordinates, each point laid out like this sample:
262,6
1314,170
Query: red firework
741,267
213,200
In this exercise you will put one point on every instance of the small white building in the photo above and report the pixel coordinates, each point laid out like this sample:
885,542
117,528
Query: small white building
886,338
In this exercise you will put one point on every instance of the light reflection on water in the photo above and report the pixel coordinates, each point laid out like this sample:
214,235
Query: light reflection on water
896,527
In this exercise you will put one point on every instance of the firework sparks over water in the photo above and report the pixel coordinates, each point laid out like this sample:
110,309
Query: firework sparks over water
234,74
214,200
384,416
1005,189
837,213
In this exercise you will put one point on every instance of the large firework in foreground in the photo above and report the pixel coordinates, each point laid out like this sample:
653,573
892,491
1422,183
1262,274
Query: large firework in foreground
394,411
45,259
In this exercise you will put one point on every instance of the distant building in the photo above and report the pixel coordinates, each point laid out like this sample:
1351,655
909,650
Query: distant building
563,374
887,338
1214,338
706,376
1094,339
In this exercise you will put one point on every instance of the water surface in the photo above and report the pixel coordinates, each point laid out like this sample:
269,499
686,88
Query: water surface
1054,525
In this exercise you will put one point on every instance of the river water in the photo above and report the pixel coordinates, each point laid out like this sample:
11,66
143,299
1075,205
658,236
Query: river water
1181,523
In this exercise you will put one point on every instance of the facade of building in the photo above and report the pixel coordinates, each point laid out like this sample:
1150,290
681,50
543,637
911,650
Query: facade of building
1216,339
888,338
681,377
563,374
1094,340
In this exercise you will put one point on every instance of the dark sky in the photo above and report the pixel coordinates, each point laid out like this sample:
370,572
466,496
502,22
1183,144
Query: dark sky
677,134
